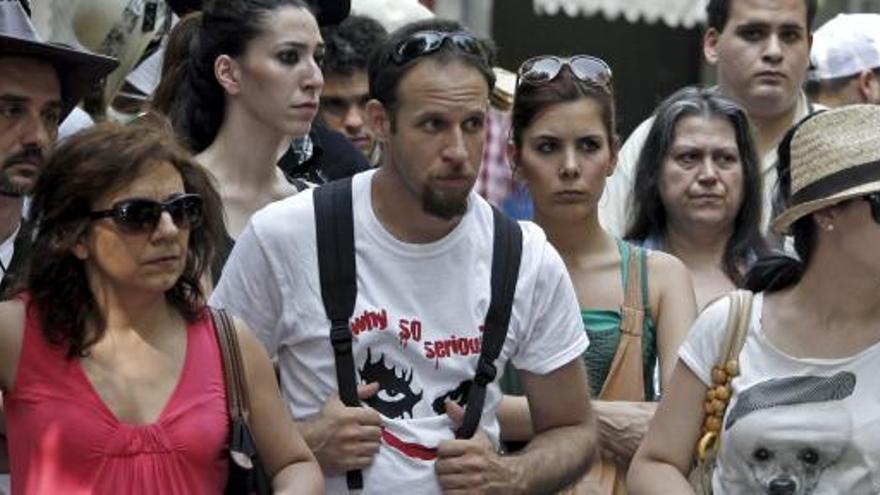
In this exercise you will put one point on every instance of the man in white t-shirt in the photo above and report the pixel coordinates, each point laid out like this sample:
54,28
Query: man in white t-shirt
761,51
423,250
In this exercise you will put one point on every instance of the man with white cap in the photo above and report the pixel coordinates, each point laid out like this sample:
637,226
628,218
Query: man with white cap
40,84
845,61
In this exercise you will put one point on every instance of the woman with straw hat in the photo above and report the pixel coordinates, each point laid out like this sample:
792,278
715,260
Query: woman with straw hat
799,402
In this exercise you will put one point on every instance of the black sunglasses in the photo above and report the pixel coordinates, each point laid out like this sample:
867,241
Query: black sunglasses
425,42
873,199
545,68
140,215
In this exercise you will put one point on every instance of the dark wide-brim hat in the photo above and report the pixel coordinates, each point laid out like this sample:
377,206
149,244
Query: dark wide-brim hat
327,12
834,156
78,70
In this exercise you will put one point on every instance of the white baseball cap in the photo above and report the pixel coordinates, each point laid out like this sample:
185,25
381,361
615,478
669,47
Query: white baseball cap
845,46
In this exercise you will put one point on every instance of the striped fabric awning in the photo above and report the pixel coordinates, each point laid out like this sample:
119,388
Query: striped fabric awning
673,13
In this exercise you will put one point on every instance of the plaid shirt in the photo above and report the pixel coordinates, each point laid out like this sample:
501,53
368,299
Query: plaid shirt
495,180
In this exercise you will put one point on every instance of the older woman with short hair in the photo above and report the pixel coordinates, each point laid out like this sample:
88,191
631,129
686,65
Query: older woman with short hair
698,190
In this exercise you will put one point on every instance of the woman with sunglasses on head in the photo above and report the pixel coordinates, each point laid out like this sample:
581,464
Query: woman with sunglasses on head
112,375
698,190
799,403
636,305
250,84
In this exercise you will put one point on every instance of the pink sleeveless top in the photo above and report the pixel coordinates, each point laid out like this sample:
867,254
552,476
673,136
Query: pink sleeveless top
64,439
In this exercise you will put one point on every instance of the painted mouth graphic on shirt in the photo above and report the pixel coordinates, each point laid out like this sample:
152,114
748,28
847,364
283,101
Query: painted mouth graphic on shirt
408,449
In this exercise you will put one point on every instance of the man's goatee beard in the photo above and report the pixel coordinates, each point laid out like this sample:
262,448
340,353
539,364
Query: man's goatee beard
443,208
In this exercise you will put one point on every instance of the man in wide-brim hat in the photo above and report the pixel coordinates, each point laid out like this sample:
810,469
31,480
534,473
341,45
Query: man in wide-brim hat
77,70
40,83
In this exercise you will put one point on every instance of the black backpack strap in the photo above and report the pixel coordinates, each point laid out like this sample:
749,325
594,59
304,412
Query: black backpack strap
506,256
334,226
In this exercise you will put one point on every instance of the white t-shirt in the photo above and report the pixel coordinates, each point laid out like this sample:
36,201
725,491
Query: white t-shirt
416,323
813,424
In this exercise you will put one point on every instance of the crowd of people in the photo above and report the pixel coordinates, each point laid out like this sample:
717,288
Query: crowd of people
691,310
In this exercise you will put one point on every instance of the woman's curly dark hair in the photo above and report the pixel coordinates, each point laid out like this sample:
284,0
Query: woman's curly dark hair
84,168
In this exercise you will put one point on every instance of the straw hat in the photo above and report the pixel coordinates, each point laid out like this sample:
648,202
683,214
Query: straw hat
78,70
834,156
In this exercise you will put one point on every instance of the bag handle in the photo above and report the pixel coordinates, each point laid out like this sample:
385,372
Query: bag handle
718,396
237,400
634,295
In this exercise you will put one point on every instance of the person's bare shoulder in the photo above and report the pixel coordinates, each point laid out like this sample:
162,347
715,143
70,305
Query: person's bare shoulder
667,277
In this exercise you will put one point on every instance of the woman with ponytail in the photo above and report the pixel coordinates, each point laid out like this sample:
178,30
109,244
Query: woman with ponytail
801,400
249,83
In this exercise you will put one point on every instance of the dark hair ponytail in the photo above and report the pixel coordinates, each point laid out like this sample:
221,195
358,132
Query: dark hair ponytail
175,62
779,271
224,28
200,102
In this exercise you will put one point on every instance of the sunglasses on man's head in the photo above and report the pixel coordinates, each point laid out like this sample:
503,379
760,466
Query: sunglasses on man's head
425,42
543,69
873,199
140,215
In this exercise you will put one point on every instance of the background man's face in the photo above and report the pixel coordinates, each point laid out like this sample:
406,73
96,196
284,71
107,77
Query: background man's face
343,106
30,111
762,54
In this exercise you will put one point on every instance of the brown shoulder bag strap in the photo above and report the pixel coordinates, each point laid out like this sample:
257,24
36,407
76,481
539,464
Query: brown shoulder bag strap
236,390
625,379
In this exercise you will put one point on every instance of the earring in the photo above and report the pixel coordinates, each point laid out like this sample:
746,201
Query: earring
829,227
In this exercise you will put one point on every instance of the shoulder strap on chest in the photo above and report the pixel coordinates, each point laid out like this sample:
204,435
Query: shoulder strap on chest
241,445
334,227
506,257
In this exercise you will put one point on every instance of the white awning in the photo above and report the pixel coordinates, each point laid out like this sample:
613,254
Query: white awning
673,13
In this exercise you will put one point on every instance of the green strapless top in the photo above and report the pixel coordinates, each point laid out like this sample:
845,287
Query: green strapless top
603,329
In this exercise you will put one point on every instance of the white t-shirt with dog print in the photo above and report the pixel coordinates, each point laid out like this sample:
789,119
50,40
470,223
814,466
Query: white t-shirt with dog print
416,324
799,426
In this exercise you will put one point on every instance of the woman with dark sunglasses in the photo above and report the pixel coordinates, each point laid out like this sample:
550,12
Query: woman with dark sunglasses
795,410
109,362
637,305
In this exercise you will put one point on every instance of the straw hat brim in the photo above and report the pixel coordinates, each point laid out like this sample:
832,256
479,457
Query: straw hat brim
782,223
